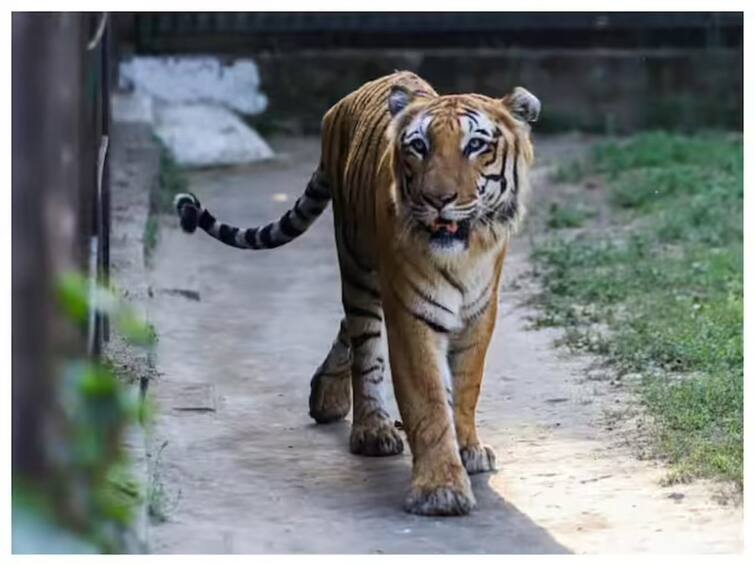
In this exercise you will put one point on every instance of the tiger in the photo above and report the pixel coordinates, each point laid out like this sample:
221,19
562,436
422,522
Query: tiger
427,191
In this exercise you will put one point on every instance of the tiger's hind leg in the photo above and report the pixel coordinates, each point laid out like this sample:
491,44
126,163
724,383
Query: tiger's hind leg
330,388
373,432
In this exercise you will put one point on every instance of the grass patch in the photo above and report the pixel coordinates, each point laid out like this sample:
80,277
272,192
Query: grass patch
666,281
567,216
569,172
172,180
151,228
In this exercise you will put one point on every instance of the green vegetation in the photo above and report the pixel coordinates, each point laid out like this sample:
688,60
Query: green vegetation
151,229
171,180
567,216
666,281
159,504
569,172
89,491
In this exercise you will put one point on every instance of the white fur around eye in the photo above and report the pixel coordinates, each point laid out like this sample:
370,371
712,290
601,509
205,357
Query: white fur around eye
480,127
417,131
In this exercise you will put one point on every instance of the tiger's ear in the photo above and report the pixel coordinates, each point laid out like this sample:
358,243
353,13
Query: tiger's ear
398,99
522,104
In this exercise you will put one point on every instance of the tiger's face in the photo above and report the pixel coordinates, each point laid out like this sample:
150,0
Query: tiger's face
460,166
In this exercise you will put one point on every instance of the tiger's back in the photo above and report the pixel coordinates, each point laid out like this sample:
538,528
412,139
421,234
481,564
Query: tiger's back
354,144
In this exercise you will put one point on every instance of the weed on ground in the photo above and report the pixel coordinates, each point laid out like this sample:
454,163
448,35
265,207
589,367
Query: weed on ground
665,279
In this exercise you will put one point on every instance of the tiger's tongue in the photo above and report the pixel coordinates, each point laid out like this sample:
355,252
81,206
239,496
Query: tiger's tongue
448,225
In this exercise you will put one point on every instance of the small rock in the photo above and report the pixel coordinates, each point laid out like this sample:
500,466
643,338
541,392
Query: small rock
196,79
200,135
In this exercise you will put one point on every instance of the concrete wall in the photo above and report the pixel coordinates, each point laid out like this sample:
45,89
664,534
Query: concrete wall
614,91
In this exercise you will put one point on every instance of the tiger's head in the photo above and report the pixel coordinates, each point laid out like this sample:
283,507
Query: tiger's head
460,166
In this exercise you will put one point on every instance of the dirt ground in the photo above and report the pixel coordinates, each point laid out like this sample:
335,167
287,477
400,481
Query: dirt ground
238,466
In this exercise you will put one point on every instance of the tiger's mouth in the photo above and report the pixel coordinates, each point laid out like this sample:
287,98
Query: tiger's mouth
447,232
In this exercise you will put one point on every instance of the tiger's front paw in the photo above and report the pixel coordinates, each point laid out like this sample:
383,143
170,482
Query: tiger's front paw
379,438
451,499
478,458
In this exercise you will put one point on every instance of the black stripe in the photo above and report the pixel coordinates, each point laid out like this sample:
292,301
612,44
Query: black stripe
266,237
314,207
471,115
503,169
372,139
227,235
374,380
450,398
359,340
379,365
250,236
482,294
337,109
300,212
287,227
431,323
459,349
370,369
360,286
371,398
508,210
206,220
354,256
439,436
342,340
426,298
351,310
316,193
493,150
480,310
340,373
515,188
375,411
451,280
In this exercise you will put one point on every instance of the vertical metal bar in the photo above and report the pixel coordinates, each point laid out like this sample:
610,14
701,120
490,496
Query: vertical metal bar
46,176
105,175
90,165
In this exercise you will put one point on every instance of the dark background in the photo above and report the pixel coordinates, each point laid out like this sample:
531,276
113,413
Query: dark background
599,72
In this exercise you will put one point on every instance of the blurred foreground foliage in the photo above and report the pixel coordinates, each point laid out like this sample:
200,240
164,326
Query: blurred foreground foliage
86,503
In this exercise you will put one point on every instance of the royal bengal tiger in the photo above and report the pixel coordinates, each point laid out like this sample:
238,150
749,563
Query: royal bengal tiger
426,192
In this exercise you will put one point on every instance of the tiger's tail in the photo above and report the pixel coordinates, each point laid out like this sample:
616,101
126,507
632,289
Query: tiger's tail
291,225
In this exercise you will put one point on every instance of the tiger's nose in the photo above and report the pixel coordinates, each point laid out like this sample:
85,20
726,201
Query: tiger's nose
439,201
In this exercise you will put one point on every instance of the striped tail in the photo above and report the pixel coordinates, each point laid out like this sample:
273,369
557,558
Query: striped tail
292,224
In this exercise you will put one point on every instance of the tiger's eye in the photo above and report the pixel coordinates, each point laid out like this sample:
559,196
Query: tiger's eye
476,144
419,146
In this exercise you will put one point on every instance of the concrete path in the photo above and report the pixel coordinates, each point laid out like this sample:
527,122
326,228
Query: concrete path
240,467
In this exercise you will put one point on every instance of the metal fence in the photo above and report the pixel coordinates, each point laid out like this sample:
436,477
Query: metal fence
61,133
233,32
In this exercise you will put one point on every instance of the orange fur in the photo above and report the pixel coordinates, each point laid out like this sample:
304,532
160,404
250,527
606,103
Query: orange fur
365,163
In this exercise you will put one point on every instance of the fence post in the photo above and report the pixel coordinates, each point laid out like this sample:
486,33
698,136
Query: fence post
46,198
